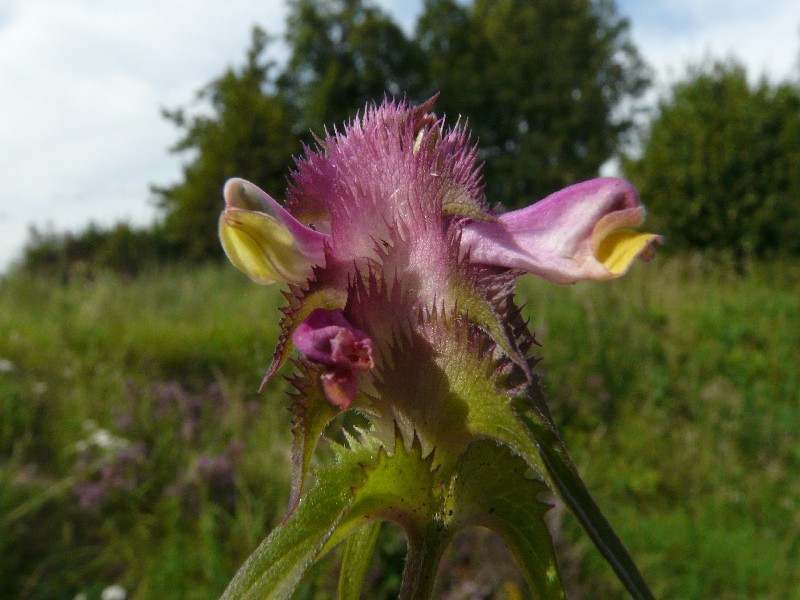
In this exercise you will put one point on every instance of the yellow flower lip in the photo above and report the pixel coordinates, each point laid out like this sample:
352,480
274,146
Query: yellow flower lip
616,246
620,248
263,240
260,247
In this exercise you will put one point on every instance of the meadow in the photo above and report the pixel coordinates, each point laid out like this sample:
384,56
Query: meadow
136,451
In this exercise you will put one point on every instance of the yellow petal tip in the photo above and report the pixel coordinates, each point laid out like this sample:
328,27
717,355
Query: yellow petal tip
619,249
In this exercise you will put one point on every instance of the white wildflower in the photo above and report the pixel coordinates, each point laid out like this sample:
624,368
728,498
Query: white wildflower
114,592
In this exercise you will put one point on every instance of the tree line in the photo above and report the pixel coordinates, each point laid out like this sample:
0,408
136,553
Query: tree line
551,89
720,167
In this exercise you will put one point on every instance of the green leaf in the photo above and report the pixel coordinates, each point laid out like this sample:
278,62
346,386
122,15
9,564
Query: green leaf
443,387
312,412
399,487
565,479
491,489
276,567
483,313
357,555
364,484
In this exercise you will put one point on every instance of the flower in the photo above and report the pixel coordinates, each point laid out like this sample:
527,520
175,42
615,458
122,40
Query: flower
114,592
399,190
326,337
262,239
581,232
400,303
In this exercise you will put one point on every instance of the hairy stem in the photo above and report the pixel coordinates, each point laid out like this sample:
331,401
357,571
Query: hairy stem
422,563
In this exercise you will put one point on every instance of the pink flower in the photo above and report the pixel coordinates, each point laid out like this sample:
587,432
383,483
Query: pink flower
400,301
581,232
326,337
386,221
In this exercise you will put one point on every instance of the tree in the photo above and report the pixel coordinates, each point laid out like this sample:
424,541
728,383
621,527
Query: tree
548,85
247,133
721,163
344,54
547,108
121,248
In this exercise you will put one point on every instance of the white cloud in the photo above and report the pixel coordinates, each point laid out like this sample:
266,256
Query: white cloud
671,34
83,83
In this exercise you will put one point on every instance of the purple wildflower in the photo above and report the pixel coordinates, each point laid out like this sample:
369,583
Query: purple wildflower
396,200
400,302
326,337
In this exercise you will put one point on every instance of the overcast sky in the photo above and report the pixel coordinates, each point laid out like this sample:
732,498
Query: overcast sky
82,83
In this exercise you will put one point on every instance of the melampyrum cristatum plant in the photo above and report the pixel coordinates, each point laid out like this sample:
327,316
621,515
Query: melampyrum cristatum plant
400,306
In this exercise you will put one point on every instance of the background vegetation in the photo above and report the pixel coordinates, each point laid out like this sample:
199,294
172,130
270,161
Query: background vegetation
720,168
134,449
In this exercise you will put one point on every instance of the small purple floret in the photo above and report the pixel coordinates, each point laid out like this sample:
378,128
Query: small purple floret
327,338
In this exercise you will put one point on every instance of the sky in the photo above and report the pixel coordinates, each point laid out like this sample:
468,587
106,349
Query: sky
83,82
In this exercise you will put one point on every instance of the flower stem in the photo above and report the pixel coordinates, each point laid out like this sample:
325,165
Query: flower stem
422,563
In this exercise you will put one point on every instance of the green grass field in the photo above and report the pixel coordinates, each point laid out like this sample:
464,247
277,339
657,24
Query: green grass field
134,449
